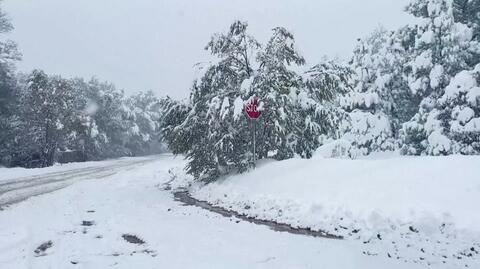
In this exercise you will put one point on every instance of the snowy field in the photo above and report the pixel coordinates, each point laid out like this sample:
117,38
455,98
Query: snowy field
87,225
417,209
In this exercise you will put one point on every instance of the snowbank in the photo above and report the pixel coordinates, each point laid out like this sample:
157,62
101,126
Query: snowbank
405,189
402,200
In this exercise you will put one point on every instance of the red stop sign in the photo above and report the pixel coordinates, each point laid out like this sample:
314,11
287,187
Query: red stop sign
251,108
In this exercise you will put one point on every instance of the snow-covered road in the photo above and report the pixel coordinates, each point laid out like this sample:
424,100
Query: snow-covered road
118,216
14,190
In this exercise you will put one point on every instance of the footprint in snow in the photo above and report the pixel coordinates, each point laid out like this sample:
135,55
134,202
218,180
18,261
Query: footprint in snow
40,250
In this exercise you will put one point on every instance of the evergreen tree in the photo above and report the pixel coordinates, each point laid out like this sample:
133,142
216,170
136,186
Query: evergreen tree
274,84
381,99
297,108
173,114
102,122
215,133
444,46
468,13
46,111
144,130
8,91
457,114
320,114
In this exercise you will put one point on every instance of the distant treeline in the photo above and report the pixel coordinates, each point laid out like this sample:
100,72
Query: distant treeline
44,118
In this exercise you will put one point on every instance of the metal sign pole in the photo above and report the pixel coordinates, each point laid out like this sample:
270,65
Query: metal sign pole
251,109
254,137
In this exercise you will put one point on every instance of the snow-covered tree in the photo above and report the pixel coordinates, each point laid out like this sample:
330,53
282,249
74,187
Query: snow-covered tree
8,91
275,83
459,110
381,99
444,46
102,120
297,108
45,111
144,129
173,114
210,127
468,13
320,114
454,122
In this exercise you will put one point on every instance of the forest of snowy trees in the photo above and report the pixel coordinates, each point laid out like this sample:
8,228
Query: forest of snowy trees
47,118
415,90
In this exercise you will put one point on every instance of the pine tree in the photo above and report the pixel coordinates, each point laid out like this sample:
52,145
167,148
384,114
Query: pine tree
173,114
211,126
297,108
274,83
381,100
444,46
457,113
468,12
320,114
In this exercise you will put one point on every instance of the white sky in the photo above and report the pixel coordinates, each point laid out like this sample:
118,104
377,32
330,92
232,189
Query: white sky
153,44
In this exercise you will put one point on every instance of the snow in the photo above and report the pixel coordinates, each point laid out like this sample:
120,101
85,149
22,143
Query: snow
94,130
335,149
59,125
439,143
246,86
238,106
356,99
335,183
436,76
135,130
427,37
11,173
133,202
462,32
462,82
473,96
225,108
434,8
386,196
463,114
423,61
365,131
433,124
473,125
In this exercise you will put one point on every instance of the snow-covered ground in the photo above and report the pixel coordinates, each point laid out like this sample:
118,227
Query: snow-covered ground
17,172
86,224
18,184
421,210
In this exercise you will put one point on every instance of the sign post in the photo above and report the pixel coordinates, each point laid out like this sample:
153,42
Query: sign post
253,112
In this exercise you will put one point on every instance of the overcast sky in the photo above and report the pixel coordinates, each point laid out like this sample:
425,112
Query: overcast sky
153,44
